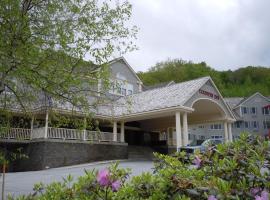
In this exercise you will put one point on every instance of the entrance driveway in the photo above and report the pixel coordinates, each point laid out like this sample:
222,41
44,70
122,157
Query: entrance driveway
22,182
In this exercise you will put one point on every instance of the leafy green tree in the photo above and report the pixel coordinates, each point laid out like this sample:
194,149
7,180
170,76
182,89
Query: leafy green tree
43,45
241,82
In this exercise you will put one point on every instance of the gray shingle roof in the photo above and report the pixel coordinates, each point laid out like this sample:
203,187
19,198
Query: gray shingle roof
160,98
164,84
233,101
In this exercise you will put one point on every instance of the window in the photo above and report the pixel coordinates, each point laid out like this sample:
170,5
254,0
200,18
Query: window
237,124
201,126
202,137
253,110
216,136
266,124
266,111
246,124
124,91
163,136
215,126
121,87
244,110
255,124
130,92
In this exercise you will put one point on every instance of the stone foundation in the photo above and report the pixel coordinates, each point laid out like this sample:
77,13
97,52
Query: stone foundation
43,154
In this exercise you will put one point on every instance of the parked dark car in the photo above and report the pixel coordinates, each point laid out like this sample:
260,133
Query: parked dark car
201,145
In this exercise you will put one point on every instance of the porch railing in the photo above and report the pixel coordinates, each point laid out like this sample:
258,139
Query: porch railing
57,133
15,133
75,134
99,136
38,133
63,133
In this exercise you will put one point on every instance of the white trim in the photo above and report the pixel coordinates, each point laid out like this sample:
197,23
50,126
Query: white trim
208,100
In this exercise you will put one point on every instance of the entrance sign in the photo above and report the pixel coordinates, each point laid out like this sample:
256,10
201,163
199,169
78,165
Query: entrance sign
209,94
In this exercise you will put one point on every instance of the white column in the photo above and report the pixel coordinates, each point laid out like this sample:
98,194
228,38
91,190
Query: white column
122,139
178,130
99,87
46,124
185,130
226,132
32,127
230,132
84,129
115,131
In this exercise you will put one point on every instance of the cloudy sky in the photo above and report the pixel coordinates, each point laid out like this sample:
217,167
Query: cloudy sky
226,34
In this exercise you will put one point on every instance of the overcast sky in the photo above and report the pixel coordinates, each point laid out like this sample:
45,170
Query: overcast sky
226,34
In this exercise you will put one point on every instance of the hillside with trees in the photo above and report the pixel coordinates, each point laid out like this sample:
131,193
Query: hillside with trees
241,82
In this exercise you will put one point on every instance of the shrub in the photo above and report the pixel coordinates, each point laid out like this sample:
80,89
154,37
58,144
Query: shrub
238,170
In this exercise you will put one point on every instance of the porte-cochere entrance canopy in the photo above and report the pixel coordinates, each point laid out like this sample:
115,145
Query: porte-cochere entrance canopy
177,106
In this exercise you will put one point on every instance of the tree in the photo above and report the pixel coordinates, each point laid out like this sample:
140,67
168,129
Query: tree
44,43
44,48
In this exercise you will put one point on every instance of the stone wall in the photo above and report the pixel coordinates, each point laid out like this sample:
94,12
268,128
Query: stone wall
56,153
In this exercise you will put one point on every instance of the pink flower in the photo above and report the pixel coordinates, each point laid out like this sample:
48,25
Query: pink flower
116,185
212,197
255,191
197,161
103,177
264,196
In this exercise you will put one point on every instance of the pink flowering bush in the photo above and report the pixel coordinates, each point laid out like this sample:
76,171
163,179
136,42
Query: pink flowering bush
94,185
237,170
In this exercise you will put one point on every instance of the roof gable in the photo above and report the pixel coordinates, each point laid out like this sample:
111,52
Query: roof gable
129,67
250,97
210,91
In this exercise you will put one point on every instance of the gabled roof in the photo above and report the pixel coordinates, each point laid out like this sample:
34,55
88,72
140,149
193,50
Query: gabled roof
233,101
246,99
159,98
129,67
